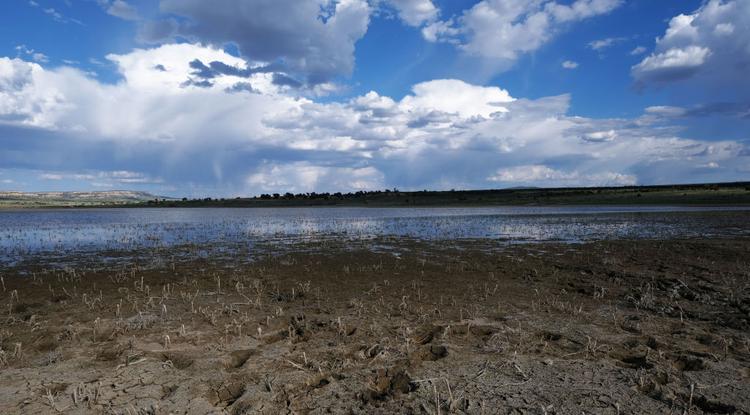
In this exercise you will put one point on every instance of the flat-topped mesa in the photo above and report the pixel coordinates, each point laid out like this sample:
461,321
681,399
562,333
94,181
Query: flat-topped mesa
75,198
122,194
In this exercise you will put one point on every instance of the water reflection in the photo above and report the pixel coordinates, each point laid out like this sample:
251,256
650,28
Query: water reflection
37,231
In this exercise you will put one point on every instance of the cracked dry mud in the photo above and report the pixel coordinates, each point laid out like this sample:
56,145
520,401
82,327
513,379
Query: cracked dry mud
627,327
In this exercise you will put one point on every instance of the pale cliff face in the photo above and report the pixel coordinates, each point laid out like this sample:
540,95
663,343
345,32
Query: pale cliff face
80,196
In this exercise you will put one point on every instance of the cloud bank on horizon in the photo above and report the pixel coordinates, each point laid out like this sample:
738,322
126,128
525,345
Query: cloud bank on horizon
233,97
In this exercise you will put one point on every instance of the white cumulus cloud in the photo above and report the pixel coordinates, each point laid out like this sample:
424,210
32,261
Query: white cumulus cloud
541,175
674,63
314,38
708,47
504,29
415,12
153,128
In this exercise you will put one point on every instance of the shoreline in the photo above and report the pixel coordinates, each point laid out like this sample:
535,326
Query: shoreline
739,205
697,206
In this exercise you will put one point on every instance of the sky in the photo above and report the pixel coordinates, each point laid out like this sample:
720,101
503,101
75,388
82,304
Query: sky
241,97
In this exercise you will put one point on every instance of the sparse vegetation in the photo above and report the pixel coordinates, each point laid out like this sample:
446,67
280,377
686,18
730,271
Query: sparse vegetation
692,194
466,327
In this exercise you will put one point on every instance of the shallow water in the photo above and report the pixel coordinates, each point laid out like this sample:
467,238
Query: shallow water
58,231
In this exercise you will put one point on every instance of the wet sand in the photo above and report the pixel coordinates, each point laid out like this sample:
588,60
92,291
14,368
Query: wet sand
625,327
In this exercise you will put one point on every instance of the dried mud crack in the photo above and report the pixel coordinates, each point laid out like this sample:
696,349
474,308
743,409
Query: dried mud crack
623,327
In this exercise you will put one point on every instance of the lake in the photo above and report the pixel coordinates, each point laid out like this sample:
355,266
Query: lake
65,231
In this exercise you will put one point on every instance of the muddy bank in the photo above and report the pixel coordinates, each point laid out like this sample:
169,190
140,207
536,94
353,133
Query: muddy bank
624,327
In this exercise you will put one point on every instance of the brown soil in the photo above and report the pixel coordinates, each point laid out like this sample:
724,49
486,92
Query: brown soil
626,327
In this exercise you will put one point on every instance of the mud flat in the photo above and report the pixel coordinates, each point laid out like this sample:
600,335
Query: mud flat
623,327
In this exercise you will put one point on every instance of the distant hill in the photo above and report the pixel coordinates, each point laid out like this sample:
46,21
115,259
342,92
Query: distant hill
63,199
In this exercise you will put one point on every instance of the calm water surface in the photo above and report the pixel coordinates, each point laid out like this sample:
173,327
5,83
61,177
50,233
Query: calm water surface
30,232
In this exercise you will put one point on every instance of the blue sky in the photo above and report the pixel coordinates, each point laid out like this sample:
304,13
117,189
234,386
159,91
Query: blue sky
238,97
